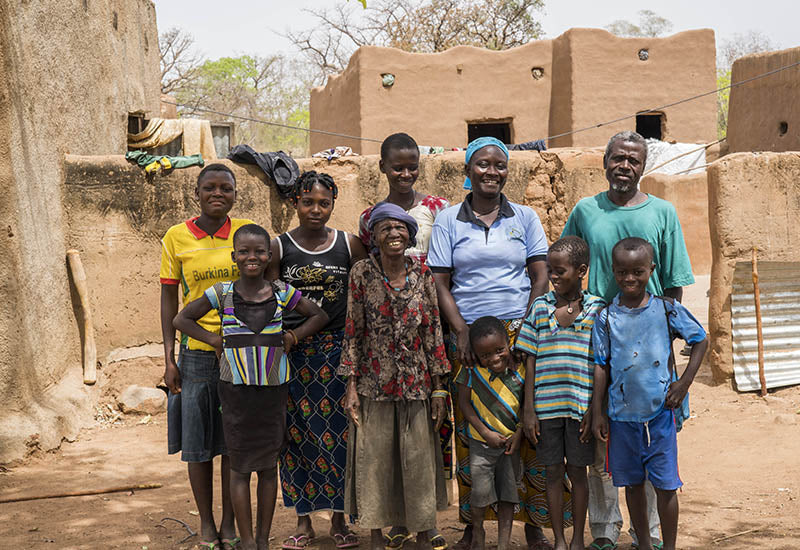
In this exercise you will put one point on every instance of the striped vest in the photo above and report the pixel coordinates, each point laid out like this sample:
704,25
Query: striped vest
249,358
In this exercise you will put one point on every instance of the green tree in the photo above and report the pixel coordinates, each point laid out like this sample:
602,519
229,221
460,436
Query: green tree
723,97
414,26
270,88
650,25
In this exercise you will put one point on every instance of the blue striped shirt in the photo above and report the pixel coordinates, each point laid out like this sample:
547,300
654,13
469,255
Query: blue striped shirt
564,361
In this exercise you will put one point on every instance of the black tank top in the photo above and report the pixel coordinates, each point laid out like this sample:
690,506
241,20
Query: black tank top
321,277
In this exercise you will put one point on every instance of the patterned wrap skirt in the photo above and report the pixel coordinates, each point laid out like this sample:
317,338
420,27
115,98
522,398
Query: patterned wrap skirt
312,466
533,501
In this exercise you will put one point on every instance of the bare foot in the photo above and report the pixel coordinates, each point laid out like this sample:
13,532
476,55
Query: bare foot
424,541
478,538
466,539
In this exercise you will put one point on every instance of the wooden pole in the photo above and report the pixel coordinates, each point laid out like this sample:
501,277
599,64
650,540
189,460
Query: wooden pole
757,294
139,487
89,348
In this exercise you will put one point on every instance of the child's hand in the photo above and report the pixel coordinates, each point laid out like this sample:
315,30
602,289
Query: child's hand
513,442
677,391
216,341
287,343
586,427
172,376
600,427
530,423
495,440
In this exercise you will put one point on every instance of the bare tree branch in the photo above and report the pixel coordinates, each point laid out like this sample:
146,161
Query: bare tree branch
415,26
179,63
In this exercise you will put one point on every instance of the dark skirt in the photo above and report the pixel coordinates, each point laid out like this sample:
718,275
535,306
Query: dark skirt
254,423
194,423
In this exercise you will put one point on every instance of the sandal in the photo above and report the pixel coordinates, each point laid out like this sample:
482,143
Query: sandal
230,544
345,540
208,545
397,541
597,546
438,542
296,542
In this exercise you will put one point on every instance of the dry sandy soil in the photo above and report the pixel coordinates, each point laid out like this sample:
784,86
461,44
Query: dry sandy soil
738,458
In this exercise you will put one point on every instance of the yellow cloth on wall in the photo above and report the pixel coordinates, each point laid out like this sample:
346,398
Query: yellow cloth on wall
197,137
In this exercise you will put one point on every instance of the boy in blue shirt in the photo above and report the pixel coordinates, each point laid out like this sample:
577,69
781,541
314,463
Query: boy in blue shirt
632,341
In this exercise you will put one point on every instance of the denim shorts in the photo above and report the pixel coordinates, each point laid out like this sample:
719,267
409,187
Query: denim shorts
194,420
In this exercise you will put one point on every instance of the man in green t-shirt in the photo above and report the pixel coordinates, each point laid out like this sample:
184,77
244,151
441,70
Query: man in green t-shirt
602,221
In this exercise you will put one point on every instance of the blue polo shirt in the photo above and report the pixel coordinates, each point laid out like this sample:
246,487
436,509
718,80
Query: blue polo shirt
635,343
488,265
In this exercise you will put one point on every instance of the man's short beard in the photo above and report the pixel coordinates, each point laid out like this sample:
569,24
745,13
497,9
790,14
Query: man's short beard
623,187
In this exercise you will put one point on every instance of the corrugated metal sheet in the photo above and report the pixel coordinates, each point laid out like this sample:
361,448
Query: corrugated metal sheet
779,284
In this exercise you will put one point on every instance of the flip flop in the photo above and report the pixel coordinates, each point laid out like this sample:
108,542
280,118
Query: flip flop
296,542
438,542
345,540
607,546
397,541
209,545
230,544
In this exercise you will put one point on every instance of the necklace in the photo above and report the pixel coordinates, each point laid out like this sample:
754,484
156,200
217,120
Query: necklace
569,302
386,280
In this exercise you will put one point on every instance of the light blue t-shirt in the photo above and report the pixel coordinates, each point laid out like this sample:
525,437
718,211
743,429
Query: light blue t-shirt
602,224
638,351
488,265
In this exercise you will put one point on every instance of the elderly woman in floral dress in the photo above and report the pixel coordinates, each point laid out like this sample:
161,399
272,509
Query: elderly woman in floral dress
394,357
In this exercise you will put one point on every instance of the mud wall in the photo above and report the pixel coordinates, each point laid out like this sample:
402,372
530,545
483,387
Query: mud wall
545,87
117,216
608,79
764,115
689,195
69,74
754,201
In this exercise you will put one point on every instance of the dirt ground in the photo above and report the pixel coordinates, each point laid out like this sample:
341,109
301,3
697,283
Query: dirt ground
738,461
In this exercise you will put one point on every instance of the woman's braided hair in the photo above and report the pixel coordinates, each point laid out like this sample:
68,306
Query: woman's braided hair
306,182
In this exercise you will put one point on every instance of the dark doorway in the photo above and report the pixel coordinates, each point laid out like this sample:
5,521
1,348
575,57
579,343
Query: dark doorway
499,130
649,125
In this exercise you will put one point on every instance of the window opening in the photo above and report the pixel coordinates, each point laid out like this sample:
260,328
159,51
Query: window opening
496,129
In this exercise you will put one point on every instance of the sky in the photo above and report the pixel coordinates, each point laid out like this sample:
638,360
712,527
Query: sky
255,26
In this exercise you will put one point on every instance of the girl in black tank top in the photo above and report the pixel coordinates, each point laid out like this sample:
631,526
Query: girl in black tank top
316,260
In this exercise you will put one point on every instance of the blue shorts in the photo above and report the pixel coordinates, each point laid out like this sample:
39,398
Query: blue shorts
639,449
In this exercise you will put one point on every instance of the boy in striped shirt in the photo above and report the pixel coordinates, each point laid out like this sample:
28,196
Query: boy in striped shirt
490,398
556,336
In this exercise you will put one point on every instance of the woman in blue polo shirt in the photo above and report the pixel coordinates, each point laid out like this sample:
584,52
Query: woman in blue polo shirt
488,258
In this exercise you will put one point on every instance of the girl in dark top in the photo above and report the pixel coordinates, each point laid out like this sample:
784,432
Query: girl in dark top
316,260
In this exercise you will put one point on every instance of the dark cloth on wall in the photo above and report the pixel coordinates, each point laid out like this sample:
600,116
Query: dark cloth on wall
279,166
535,145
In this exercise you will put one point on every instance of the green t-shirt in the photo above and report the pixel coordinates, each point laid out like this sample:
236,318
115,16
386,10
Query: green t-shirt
602,224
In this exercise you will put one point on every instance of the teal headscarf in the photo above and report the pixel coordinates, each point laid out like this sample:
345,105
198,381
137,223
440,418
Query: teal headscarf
478,144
